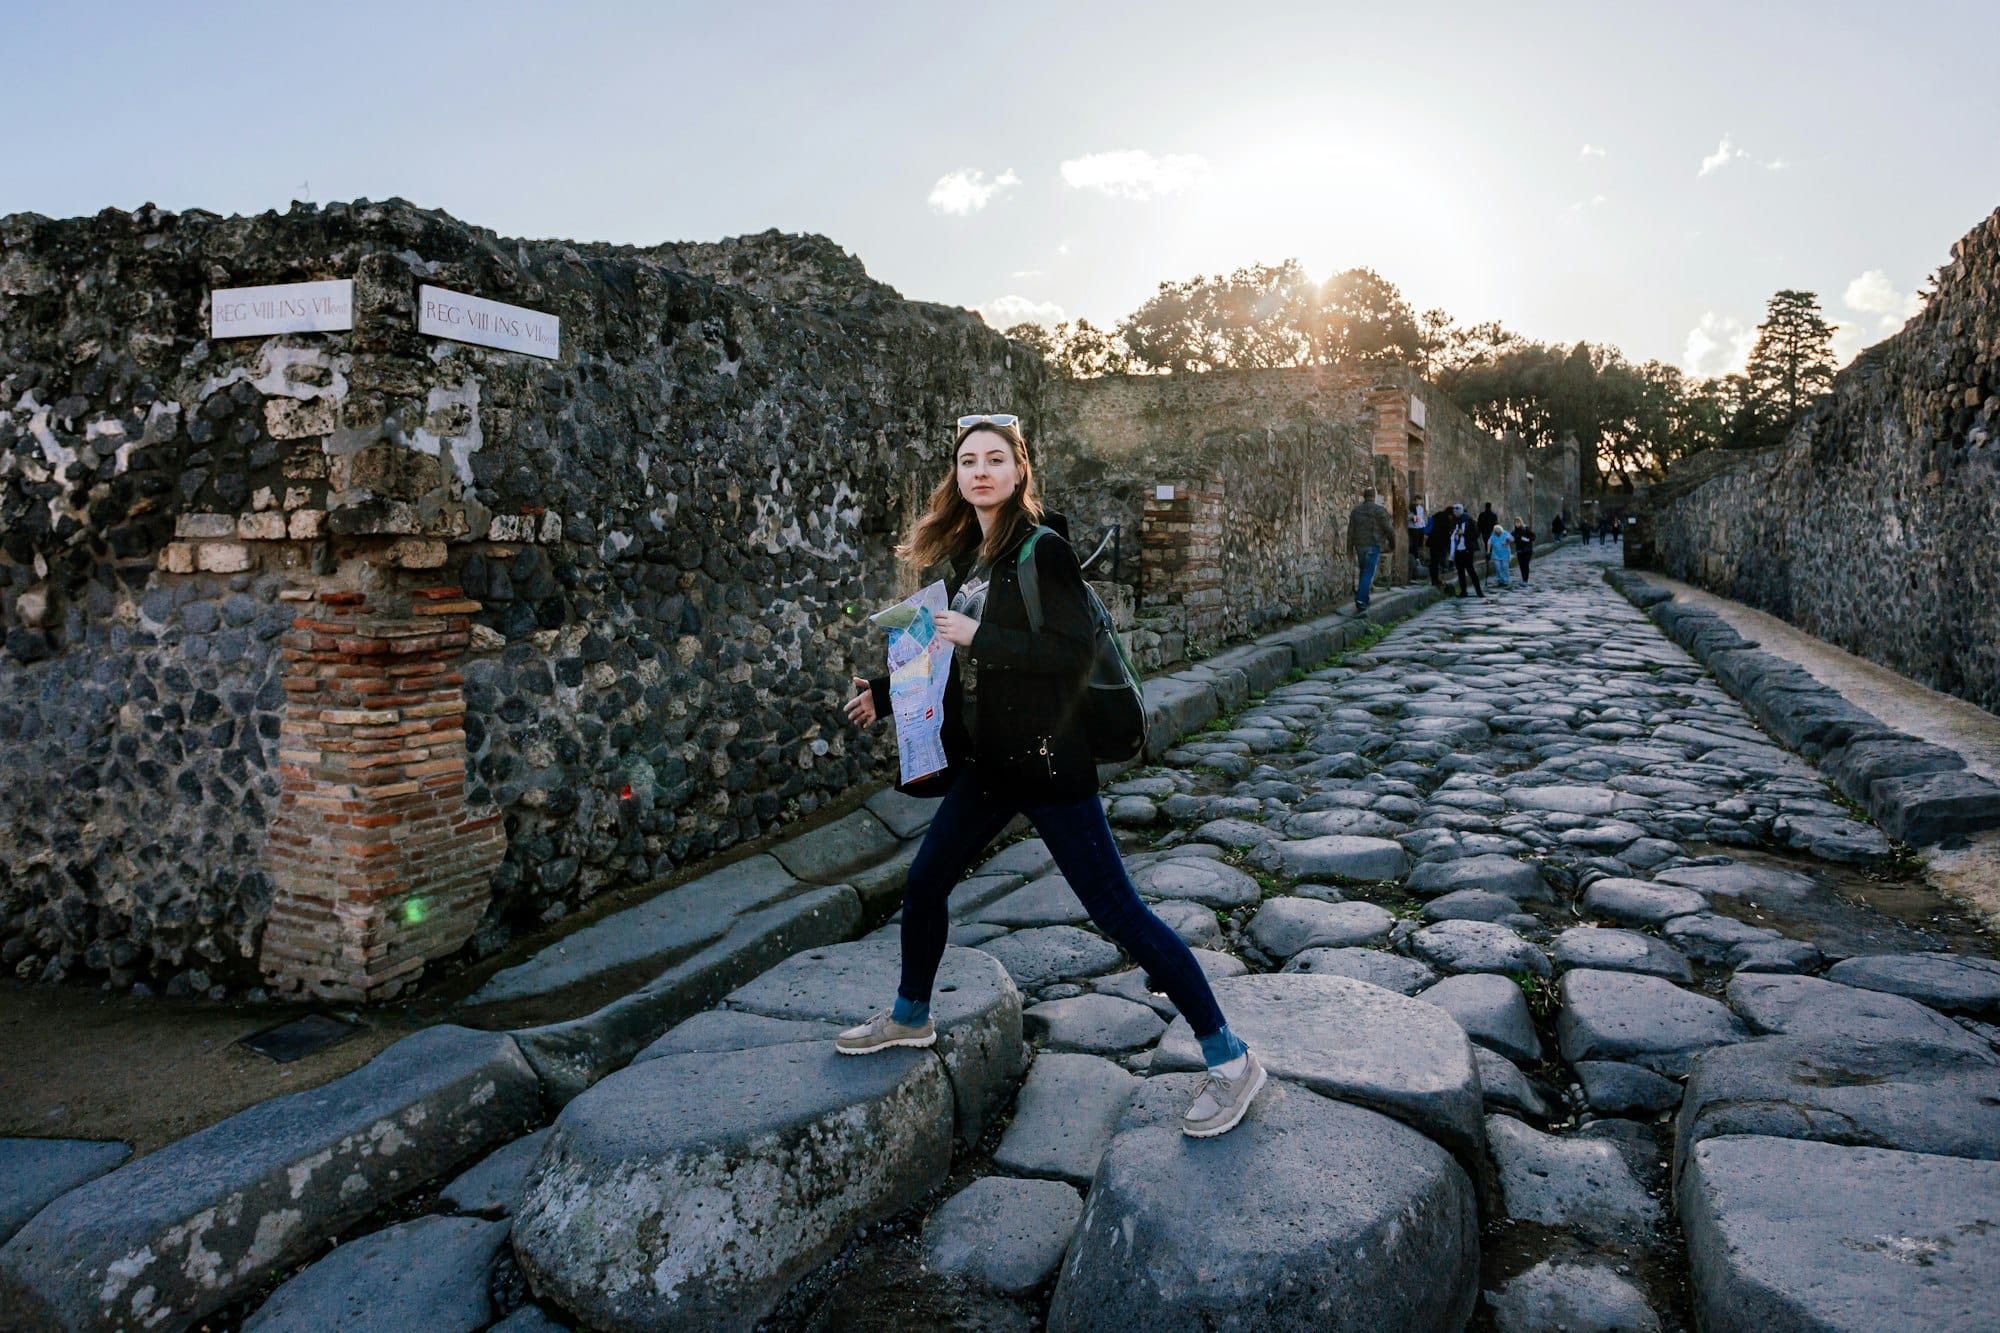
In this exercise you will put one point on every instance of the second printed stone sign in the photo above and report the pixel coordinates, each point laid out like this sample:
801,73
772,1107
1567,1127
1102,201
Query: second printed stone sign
474,319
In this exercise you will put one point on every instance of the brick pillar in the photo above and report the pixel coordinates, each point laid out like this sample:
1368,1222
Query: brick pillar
378,864
1181,538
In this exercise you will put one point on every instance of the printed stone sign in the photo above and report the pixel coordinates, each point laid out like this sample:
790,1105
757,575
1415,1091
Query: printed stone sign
289,307
474,319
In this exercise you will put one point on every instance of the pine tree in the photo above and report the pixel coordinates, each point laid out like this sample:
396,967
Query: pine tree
1791,363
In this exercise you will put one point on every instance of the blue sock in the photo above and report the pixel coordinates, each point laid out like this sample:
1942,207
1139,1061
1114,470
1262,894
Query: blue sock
911,1013
1221,1046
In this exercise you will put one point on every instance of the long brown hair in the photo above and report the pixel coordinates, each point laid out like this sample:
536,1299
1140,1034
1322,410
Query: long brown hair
949,525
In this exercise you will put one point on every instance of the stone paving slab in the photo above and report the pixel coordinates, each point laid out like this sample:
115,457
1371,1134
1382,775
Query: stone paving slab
1641,1020
1810,1006
492,1187
433,1273
1068,1110
1953,983
1576,1297
1908,1238
904,816
832,851
1005,1235
1574,1183
34,1171
185,1230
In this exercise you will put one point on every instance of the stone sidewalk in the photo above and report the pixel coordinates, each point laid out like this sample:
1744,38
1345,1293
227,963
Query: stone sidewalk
1568,976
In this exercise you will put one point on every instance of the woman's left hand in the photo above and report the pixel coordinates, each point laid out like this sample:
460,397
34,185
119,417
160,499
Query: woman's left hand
956,629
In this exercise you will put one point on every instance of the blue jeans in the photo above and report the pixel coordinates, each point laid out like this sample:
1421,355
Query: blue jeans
1080,840
1368,557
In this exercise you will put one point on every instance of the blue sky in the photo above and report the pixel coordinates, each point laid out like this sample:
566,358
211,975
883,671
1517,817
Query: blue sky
1644,175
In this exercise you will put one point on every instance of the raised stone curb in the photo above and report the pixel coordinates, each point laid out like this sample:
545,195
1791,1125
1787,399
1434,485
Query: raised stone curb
33,1171
1916,792
184,1231
572,1055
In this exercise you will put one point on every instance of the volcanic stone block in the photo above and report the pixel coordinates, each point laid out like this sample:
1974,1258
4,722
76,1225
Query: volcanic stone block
1618,951
1405,976
831,851
1337,856
1875,1235
1492,1011
1477,946
1068,1110
1559,1295
1284,926
1809,1006
693,1190
1955,983
1643,1020
1006,1235
973,1003
1311,1214
1103,1024
33,1171
1193,879
185,1230
434,1273
1353,1041
1636,903
1568,1182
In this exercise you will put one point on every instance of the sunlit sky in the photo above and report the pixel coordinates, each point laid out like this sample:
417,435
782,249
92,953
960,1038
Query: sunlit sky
1643,175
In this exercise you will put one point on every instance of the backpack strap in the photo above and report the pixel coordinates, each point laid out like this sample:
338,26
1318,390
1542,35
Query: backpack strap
1031,581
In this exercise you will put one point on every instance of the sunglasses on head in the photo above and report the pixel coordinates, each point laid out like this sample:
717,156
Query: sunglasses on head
989,419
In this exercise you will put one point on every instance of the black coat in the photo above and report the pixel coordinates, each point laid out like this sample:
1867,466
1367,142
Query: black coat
1031,747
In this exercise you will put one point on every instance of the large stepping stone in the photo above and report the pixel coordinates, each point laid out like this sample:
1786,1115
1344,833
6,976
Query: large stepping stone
1488,870
1641,1020
1353,1041
1811,1007
1405,976
1952,982
493,1187
1036,957
1740,881
832,851
1874,1239
1004,1235
1634,902
1131,984
434,1273
693,1190
1611,950
1069,1108
1210,883
1094,1023
1863,1092
1284,926
1048,901
1310,1214
1336,856
1470,905
1477,946
202,1222
1570,1182
33,1171
1576,1297
664,928
1709,938
734,1030
1365,823
1492,1011
973,1003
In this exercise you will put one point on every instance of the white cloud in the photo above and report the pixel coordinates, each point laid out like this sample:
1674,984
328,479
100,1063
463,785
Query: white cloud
1595,201
1133,173
1849,337
1718,345
1004,312
1026,273
1063,249
1777,164
1874,294
1725,153
1592,150
967,190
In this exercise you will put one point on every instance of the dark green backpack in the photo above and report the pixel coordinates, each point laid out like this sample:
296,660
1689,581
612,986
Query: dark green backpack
1114,710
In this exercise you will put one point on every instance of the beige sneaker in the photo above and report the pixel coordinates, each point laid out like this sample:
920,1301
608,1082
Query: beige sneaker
1222,1101
881,1032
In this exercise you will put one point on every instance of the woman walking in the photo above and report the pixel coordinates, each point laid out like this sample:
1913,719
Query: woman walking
1524,545
1014,735
1464,535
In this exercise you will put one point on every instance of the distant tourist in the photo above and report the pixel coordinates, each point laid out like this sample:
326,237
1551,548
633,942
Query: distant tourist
1487,520
1418,523
1560,525
1370,531
1437,541
1524,545
1500,546
1464,543
1024,750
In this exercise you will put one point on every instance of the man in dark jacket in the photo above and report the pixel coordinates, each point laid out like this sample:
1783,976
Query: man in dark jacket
1369,533
1487,521
1437,541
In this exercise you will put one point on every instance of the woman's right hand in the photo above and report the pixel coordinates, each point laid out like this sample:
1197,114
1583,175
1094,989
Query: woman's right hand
861,708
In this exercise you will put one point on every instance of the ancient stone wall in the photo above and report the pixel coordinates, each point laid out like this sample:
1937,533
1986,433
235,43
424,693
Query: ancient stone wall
671,532
1869,525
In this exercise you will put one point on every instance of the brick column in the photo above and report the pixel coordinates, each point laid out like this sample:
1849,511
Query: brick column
378,864
1181,539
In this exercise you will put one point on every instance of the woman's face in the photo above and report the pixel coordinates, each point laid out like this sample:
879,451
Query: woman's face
987,472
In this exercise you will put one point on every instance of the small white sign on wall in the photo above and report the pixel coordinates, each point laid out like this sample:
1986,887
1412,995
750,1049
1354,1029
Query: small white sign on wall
1163,492
290,307
474,319
1416,412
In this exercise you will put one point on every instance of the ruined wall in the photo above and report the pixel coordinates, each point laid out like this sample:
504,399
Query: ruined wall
670,531
1870,526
